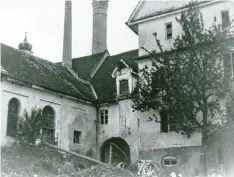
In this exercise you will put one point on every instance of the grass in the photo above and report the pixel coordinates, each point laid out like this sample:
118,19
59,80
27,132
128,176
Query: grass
28,161
33,161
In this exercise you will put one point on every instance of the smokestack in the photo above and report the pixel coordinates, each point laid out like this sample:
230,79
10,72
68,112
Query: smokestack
99,26
67,36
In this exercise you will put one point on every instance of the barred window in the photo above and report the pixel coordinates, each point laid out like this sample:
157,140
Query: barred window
104,116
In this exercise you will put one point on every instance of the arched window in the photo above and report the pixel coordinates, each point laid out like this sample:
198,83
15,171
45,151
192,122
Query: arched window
12,117
48,131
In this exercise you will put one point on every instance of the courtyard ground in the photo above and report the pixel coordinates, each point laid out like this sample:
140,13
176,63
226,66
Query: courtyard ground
26,161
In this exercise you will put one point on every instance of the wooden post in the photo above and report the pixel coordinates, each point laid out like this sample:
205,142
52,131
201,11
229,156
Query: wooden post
110,154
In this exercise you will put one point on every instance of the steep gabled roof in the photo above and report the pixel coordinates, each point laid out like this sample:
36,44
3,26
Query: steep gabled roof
33,70
146,10
83,66
103,83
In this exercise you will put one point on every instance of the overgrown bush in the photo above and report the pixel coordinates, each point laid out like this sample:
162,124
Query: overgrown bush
30,126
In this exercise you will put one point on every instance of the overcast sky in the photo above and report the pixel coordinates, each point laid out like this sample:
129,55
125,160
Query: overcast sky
43,20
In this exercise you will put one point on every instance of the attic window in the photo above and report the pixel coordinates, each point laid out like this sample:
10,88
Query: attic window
169,30
123,87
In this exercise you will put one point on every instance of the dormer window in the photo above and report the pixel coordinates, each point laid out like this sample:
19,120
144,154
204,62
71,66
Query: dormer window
123,87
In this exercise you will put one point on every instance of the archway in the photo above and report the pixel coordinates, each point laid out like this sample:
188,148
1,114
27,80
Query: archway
12,117
114,151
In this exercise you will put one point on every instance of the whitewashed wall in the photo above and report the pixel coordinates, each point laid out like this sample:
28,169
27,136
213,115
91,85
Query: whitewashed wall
66,112
147,28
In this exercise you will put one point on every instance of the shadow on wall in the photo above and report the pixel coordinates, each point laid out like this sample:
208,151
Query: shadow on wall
114,151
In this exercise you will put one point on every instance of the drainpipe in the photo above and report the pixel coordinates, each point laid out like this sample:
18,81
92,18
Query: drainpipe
97,134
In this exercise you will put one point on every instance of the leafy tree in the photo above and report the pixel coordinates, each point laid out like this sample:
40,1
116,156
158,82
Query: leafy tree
30,126
187,81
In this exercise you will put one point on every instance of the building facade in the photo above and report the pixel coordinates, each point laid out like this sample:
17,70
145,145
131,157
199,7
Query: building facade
89,99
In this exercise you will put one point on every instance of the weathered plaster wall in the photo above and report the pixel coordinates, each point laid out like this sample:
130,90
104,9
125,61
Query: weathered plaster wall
151,136
147,28
122,123
138,132
187,159
70,115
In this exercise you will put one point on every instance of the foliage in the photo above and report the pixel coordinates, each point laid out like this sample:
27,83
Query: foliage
30,126
187,81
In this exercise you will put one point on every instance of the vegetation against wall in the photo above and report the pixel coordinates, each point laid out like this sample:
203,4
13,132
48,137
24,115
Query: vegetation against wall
187,82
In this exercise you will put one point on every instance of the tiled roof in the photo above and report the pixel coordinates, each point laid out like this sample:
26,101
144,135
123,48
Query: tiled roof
30,69
103,83
84,65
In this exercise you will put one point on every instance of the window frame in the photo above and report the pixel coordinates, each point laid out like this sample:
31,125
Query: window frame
170,159
76,139
126,92
49,129
232,63
13,118
221,13
103,117
168,121
166,31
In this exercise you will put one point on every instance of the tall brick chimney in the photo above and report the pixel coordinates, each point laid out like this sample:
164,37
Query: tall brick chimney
67,36
100,8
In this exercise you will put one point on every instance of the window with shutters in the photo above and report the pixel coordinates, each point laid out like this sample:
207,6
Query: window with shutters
103,114
169,30
12,117
123,87
225,18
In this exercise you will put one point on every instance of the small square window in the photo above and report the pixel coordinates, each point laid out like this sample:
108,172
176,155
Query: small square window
76,137
169,30
225,18
104,116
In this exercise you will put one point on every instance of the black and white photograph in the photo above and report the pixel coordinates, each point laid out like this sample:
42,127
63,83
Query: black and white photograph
117,88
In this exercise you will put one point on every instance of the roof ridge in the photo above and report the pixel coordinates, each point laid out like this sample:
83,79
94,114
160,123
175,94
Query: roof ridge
29,54
132,50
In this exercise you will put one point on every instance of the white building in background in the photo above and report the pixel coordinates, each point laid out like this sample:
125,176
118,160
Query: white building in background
88,99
